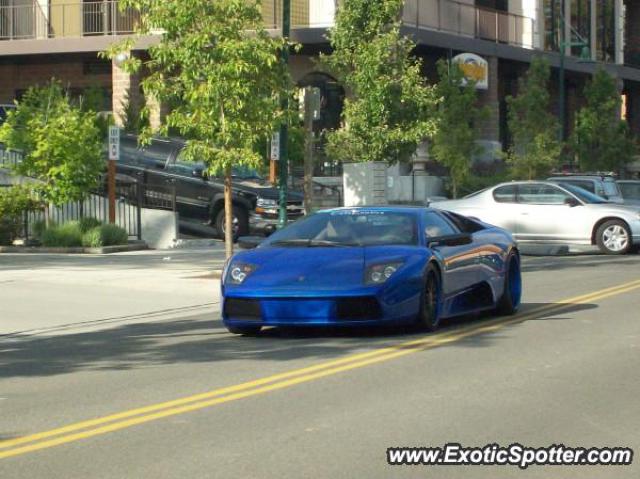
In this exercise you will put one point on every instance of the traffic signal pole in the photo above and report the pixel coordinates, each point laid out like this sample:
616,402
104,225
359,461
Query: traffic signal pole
284,130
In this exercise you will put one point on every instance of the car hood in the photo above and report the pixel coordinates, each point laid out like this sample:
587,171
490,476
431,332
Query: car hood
316,267
265,190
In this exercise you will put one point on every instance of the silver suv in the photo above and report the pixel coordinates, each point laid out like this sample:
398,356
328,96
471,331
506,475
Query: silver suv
604,186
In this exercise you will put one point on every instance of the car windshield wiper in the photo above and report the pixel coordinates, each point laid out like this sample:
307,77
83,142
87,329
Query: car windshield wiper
292,242
309,243
333,243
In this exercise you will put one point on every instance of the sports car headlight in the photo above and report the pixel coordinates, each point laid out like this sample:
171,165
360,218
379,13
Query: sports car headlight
379,273
237,273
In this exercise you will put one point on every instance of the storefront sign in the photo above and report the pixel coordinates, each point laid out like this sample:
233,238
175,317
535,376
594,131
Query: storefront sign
474,68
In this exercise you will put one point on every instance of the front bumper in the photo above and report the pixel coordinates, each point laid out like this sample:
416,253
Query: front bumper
267,222
315,311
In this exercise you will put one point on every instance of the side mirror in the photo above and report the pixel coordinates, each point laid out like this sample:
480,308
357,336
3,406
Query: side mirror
249,242
571,201
459,239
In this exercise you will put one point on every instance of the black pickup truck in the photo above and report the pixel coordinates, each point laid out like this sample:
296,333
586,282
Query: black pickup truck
199,197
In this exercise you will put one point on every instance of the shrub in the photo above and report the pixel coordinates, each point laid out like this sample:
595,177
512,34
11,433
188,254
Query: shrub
38,227
14,202
66,235
87,224
105,235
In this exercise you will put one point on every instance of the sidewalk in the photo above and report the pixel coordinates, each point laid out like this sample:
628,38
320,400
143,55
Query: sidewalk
52,292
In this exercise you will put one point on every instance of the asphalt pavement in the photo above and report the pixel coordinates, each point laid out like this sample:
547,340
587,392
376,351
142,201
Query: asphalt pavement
118,367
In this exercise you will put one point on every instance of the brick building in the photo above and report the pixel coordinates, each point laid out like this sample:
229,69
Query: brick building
40,39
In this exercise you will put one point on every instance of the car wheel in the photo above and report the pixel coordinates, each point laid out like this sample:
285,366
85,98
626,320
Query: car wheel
240,223
510,300
614,237
244,330
429,315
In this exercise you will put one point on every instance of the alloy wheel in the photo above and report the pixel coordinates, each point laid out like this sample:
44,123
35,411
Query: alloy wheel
615,238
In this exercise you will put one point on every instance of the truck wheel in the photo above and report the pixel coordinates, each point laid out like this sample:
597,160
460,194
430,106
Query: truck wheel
240,223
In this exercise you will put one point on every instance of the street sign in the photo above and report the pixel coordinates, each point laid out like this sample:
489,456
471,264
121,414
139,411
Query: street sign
114,143
275,147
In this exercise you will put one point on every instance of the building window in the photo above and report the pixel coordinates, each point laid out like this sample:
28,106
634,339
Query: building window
605,30
580,24
552,24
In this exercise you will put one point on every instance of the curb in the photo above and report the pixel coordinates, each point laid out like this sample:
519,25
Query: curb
75,250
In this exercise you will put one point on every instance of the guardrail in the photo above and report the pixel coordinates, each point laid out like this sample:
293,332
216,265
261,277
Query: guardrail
78,19
74,19
468,20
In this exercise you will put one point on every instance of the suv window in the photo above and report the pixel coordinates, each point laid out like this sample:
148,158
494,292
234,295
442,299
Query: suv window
584,184
611,189
505,194
155,155
129,151
630,190
538,194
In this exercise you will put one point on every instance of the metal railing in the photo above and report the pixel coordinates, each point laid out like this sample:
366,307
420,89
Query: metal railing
468,20
78,19
130,199
9,158
73,19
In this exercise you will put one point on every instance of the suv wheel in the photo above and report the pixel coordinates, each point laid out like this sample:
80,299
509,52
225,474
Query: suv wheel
613,237
240,222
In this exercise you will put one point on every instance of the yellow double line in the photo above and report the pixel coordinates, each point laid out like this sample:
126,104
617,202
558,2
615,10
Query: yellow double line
125,419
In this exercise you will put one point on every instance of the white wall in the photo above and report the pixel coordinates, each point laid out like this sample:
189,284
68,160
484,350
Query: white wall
531,9
322,13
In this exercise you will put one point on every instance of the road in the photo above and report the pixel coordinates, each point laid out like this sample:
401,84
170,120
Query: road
168,393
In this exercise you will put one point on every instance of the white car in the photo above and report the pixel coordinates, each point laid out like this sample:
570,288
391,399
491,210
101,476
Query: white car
546,212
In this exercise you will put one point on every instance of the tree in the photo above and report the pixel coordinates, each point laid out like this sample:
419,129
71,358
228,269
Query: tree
390,108
454,143
601,140
221,70
61,144
536,149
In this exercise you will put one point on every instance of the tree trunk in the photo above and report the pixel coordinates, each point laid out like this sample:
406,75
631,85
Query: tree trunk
454,189
228,214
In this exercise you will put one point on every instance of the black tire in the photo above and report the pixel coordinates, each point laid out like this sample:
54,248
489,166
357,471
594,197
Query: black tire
613,237
510,300
240,219
429,315
244,330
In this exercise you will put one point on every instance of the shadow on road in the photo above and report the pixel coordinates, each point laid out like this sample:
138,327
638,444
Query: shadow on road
579,262
202,339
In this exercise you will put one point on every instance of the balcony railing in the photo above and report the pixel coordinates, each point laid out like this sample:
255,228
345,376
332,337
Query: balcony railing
78,19
471,21
74,19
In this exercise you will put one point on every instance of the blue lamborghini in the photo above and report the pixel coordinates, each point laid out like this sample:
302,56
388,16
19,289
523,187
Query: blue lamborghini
371,266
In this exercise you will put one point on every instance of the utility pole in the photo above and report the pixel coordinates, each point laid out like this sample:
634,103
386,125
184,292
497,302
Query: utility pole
284,130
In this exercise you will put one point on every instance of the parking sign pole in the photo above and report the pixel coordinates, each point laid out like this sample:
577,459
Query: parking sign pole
114,154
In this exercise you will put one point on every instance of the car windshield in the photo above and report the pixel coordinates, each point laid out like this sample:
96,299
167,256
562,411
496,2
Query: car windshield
245,173
630,190
584,195
239,172
349,228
